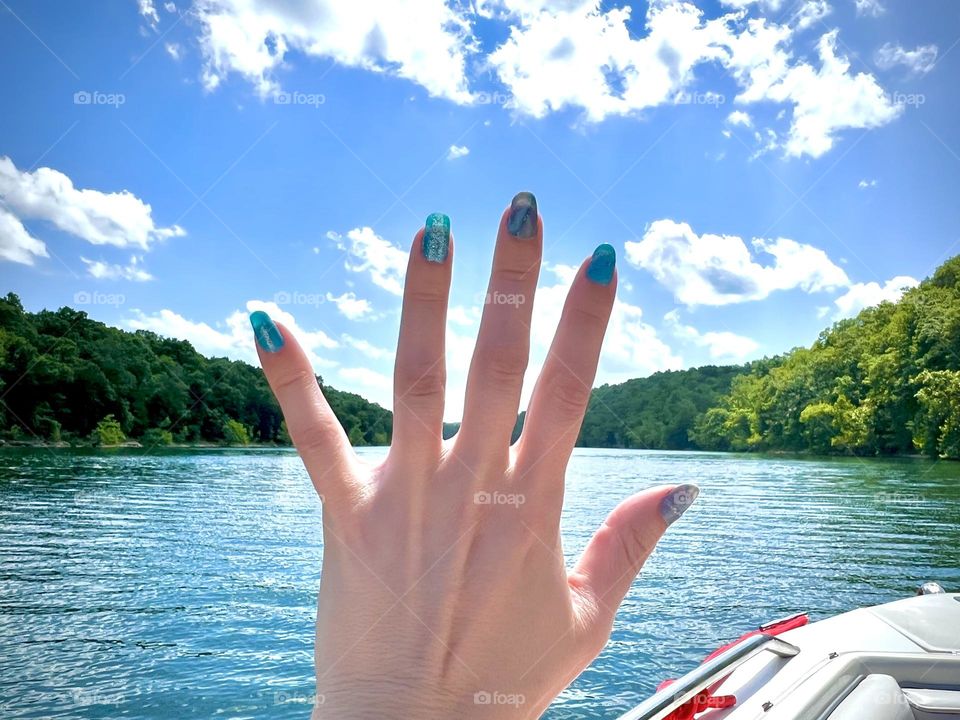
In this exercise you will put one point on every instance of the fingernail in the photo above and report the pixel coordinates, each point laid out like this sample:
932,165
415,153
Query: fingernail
436,237
522,222
602,263
677,502
266,331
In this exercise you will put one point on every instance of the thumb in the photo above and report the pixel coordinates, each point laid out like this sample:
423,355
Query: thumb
617,551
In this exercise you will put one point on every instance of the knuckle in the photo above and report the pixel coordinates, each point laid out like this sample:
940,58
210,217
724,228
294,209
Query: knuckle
589,314
421,380
634,546
295,381
503,363
570,395
512,275
311,440
433,298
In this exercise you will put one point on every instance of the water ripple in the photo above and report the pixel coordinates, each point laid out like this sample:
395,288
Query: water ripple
182,585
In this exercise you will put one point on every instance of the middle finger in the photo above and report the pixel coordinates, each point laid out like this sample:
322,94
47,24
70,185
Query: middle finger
503,344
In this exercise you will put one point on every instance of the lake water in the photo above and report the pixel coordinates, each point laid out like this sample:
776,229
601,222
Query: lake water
183,585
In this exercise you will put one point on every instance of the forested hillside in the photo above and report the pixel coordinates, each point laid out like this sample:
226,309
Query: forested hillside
884,382
62,375
657,411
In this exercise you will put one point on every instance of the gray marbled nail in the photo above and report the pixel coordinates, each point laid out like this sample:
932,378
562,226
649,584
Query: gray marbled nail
677,502
522,221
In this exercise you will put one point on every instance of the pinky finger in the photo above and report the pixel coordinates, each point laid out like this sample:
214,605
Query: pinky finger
314,429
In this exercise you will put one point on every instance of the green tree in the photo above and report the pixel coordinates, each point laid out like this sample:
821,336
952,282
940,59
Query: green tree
157,437
937,429
109,432
235,433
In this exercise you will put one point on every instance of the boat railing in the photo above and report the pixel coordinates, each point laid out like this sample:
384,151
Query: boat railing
665,701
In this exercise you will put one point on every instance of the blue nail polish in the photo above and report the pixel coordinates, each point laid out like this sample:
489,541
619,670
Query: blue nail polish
266,331
436,237
522,221
677,502
602,263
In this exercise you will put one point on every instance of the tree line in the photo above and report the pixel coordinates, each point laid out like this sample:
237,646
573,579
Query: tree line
885,382
67,378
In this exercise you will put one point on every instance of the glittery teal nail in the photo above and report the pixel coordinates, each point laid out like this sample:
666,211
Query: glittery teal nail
522,221
602,263
436,237
677,502
266,331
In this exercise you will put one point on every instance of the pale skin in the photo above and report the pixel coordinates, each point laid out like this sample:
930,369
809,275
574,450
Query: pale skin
444,591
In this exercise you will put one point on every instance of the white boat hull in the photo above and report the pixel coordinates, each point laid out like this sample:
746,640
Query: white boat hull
898,661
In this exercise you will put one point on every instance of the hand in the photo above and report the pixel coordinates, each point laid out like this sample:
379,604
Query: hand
444,592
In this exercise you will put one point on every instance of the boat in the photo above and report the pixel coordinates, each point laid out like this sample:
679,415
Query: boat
896,661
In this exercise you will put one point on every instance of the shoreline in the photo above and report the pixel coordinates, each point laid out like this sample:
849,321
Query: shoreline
137,445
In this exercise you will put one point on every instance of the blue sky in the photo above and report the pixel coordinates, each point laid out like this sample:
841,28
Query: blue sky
763,167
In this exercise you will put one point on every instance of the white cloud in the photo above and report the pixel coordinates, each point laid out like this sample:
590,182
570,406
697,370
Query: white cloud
457,151
720,269
460,315
632,347
864,295
148,12
720,345
919,61
16,244
825,100
864,184
873,8
170,7
365,377
367,348
425,41
560,54
369,253
350,306
118,218
233,337
739,117
587,58
810,13
105,271
770,5
173,50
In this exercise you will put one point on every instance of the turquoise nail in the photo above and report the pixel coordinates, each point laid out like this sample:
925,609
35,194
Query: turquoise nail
436,237
602,263
266,331
522,221
677,502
